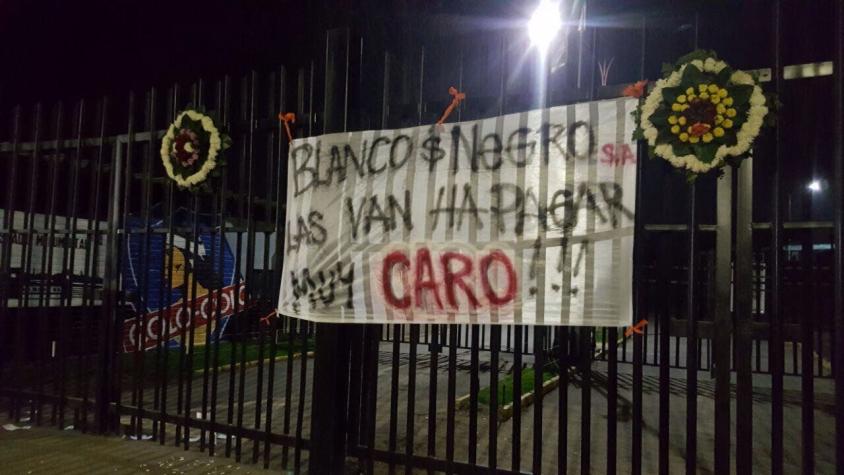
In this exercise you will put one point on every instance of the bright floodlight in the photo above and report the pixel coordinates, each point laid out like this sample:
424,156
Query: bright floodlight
544,24
814,186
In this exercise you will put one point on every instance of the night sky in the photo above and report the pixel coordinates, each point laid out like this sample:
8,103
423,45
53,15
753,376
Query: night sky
60,48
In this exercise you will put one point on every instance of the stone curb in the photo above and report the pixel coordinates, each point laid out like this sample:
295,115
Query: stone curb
254,363
506,412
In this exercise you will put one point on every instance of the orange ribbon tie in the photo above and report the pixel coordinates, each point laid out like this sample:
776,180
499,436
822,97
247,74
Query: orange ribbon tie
456,97
637,328
288,118
636,90
265,320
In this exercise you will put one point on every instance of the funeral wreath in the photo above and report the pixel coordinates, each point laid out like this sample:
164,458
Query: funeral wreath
702,114
192,148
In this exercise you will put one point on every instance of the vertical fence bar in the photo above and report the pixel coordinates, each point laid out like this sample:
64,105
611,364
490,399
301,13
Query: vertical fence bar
29,224
183,349
723,320
304,328
92,252
394,395
247,105
208,347
663,266
251,279
374,340
744,318
563,400
111,288
775,317
331,364
58,349
691,335
263,319
474,387
191,291
117,333
838,239
300,410
516,441
807,353
279,227
433,371
69,258
222,106
146,201
638,286
586,343
495,348
47,352
80,356
452,377
538,372
251,229
411,398
6,258
167,270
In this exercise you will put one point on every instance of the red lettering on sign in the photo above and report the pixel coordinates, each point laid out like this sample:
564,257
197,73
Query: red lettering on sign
486,263
424,265
617,156
392,260
455,279
464,280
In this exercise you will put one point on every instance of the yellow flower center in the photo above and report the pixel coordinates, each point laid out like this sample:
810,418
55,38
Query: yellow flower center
701,114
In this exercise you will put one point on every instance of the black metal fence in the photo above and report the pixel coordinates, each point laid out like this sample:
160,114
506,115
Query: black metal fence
743,299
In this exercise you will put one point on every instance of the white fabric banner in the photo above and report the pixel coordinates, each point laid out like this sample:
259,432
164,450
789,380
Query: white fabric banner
525,218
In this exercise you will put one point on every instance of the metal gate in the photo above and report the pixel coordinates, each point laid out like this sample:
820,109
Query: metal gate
739,278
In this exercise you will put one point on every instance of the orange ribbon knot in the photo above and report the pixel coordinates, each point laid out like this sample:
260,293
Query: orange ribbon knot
635,90
456,97
637,328
288,118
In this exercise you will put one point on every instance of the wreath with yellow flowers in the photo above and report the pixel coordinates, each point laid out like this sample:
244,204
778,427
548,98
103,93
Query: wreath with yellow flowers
191,148
702,114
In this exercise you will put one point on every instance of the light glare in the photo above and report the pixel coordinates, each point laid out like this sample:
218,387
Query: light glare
814,186
544,24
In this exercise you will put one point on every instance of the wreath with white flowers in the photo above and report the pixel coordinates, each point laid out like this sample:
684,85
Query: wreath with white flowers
191,148
702,114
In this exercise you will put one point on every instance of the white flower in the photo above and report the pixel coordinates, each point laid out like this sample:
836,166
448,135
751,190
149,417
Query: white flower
676,161
674,79
698,64
663,149
741,77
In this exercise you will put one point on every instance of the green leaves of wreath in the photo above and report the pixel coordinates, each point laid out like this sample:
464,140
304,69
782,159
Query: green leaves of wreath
702,114
192,148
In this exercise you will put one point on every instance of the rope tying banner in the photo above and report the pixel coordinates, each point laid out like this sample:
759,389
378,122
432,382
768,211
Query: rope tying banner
456,97
287,118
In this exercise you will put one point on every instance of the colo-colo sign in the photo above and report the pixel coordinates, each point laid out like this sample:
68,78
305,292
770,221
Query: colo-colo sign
196,287
524,218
